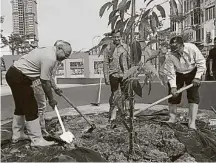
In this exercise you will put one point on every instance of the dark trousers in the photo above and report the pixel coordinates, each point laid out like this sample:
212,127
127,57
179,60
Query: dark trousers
115,82
23,94
192,93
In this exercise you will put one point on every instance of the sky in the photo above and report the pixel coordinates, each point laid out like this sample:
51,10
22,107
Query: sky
75,21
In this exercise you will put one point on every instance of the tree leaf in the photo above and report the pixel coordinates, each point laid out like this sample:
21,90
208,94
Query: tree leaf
102,49
153,23
144,16
137,87
115,4
144,28
127,6
174,7
105,40
150,54
111,15
130,23
150,69
149,2
156,18
122,5
113,21
130,72
136,52
119,25
122,15
103,8
162,11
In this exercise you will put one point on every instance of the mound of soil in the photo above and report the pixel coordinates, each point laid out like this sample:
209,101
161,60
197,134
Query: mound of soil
154,142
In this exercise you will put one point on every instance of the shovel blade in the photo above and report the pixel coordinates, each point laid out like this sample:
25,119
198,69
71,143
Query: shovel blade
67,137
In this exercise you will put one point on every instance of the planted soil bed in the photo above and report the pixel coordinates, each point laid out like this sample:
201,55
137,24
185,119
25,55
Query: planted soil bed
155,141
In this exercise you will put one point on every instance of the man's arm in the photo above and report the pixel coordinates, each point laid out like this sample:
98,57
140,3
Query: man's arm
46,85
45,76
52,79
200,62
106,65
169,70
210,62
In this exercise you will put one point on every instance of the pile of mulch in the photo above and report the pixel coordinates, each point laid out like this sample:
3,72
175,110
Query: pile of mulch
155,141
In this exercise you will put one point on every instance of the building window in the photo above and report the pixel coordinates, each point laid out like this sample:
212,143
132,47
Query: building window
98,67
206,15
202,34
76,68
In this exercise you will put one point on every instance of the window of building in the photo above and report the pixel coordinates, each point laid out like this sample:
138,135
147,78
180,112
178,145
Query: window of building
192,19
98,67
202,34
206,15
76,68
185,6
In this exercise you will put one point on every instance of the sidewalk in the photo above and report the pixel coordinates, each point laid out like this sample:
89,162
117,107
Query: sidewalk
5,89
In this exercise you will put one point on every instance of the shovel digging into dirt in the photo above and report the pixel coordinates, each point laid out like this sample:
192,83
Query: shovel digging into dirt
92,125
66,136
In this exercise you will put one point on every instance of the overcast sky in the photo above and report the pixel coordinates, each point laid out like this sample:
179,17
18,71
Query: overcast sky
76,21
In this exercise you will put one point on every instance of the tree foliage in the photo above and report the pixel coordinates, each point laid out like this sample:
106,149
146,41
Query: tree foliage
16,43
147,23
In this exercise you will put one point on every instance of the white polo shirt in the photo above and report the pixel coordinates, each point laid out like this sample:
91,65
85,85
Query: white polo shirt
39,63
191,58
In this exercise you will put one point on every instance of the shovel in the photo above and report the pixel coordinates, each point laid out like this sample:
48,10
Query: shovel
163,99
99,93
66,136
92,125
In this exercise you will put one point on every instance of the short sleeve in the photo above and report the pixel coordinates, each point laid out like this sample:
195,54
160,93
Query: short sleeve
47,67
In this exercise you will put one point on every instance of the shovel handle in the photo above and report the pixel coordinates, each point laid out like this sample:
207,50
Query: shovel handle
163,99
99,89
60,120
66,99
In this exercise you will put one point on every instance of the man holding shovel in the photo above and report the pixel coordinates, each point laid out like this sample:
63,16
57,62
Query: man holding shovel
115,64
39,63
41,97
185,65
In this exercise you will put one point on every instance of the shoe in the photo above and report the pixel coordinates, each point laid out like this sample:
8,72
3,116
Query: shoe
18,125
34,132
113,124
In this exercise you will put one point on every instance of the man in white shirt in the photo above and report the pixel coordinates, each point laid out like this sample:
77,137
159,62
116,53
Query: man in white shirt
37,64
185,65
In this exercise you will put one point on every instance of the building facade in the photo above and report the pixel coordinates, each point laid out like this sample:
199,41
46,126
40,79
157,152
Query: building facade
25,21
198,22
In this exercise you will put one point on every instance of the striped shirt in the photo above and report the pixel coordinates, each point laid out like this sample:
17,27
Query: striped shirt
190,59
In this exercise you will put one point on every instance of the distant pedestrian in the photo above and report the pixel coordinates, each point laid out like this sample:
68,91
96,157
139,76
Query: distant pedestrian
38,63
185,65
211,65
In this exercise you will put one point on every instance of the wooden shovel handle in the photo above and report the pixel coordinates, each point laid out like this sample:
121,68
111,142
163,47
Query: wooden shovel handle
163,99
60,120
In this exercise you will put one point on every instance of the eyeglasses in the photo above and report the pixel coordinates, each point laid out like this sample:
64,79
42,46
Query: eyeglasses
66,54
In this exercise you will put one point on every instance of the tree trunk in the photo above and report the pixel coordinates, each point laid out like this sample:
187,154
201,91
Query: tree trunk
131,123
